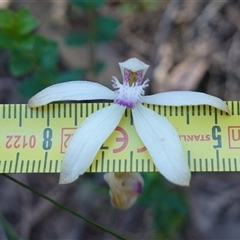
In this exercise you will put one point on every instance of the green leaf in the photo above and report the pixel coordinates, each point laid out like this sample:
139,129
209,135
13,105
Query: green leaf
26,21
6,40
8,229
6,18
88,4
98,67
46,77
46,51
77,39
18,23
24,43
20,65
71,75
37,81
49,60
106,28
164,201
50,76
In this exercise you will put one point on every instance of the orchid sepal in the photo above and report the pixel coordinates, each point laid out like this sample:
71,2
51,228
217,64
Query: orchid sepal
74,91
163,144
82,149
185,98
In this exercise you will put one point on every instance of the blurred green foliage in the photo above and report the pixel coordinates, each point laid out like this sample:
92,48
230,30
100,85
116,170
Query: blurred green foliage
167,205
100,29
88,5
103,30
34,58
130,7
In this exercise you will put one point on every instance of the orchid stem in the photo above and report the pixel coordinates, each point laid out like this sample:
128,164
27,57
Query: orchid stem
64,207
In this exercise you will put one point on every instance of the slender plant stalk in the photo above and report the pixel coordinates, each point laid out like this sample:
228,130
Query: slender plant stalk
64,207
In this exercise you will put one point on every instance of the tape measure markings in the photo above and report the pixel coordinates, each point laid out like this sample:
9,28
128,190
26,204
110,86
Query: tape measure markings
217,158
20,116
230,164
232,107
223,163
190,121
235,163
238,108
215,115
76,115
102,156
19,166
131,162
206,164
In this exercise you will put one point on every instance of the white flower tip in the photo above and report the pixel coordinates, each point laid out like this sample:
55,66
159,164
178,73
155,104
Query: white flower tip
67,177
222,106
227,109
185,181
134,65
180,177
36,101
41,98
31,103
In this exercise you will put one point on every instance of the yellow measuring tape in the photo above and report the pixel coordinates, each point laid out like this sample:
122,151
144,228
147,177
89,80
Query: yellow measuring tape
35,140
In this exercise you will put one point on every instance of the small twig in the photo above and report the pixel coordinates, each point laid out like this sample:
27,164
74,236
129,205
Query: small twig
231,83
163,31
164,28
64,207
209,12
133,41
43,208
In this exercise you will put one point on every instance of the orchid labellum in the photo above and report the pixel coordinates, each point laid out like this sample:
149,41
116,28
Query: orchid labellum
156,132
125,188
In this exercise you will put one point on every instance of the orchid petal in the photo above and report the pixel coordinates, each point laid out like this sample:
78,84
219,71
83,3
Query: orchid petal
74,90
87,140
163,144
185,98
125,188
134,65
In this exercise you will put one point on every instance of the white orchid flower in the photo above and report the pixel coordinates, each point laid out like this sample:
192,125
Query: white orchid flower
156,132
125,188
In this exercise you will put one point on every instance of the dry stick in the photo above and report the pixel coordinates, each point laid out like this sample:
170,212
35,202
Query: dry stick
199,27
209,12
43,208
231,83
132,40
162,33
164,28
202,21
234,17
